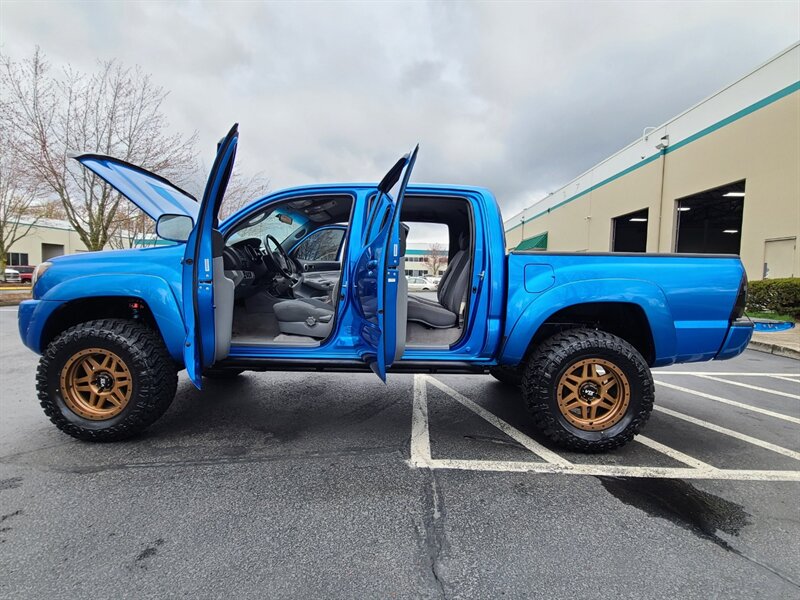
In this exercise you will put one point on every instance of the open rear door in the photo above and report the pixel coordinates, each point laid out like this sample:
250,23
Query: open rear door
207,293
381,289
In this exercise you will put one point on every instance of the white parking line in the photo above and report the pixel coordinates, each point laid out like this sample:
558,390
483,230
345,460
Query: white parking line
420,434
674,454
750,387
792,378
510,431
721,373
735,434
614,470
749,407
696,469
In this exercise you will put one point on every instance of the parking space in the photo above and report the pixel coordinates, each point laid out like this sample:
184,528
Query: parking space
292,484
706,425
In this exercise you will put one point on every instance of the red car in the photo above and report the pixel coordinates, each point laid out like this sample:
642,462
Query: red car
25,272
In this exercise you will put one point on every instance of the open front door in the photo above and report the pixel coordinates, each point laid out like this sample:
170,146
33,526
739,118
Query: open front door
381,289
207,293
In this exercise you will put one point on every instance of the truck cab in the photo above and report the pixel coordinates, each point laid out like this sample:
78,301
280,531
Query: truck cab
313,279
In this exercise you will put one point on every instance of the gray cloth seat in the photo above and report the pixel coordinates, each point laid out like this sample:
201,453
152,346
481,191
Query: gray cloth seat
314,318
443,312
304,316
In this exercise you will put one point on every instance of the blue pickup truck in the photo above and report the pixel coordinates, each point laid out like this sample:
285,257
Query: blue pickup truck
312,279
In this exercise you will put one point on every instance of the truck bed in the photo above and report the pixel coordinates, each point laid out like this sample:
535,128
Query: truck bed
688,299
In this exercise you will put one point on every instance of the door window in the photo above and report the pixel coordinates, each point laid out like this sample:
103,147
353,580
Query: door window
323,245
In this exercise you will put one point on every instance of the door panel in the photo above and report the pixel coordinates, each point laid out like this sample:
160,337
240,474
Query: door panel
207,293
380,287
779,258
311,266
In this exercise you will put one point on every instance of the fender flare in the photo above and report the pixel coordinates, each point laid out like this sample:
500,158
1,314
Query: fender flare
644,294
154,291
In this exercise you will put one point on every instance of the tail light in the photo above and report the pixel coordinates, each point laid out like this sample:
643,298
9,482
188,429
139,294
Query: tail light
741,300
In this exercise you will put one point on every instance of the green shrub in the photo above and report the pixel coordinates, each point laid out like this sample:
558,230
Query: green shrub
775,295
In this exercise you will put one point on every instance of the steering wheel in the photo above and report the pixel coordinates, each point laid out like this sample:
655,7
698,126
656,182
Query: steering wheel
280,258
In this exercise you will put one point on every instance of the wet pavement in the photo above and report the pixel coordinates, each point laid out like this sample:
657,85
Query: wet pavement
312,485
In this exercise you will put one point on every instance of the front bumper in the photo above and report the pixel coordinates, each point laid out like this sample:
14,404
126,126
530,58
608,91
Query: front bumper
31,319
737,339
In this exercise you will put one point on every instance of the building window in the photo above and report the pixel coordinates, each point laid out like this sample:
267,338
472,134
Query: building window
416,273
16,258
711,221
629,232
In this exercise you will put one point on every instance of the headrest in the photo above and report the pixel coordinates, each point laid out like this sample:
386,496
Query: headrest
463,240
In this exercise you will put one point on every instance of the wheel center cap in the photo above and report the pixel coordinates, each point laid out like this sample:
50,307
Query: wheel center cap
589,391
104,381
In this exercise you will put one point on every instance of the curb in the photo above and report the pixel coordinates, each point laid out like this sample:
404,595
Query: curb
775,349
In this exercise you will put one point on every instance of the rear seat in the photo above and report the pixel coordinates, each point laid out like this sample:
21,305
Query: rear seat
443,312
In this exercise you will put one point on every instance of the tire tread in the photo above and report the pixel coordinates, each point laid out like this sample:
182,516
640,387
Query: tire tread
545,363
156,383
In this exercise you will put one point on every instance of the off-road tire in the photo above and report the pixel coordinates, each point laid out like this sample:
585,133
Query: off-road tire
549,362
222,373
507,375
153,373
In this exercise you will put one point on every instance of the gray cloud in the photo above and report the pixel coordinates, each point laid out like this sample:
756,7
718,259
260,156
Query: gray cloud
515,97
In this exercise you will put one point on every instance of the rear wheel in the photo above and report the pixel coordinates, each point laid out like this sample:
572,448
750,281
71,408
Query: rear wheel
106,380
588,390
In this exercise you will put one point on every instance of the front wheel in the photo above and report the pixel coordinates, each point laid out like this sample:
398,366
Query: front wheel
588,390
222,373
508,375
106,380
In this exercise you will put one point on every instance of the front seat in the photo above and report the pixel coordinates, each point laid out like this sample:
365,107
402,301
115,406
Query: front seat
443,312
314,318
305,316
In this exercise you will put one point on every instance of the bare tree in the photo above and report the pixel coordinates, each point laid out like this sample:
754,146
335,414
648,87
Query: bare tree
115,111
242,191
435,258
18,211
131,228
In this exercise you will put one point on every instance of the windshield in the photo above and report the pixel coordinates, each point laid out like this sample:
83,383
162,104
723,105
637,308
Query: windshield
281,224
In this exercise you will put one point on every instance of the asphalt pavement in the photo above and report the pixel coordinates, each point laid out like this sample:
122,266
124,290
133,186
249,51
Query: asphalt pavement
287,485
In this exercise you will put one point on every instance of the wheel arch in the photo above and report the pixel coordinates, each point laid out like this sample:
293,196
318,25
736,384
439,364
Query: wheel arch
143,298
636,311
626,320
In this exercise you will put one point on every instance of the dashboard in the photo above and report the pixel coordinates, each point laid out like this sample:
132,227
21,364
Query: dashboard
244,264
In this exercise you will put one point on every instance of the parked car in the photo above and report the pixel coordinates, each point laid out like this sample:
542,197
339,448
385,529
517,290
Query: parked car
420,284
11,276
433,280
311,279
25,272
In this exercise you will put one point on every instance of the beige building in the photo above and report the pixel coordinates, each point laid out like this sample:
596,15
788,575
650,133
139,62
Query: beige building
722,177
424,260
46,239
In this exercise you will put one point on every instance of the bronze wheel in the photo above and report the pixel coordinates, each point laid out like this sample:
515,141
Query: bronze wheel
593,394
106,380
588,390
96,384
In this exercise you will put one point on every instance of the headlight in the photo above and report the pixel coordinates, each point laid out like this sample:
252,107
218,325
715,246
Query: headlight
39,271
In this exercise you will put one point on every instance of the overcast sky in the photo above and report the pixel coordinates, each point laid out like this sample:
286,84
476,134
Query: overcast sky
517,97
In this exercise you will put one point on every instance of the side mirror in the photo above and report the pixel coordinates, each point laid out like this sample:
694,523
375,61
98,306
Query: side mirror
175,228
